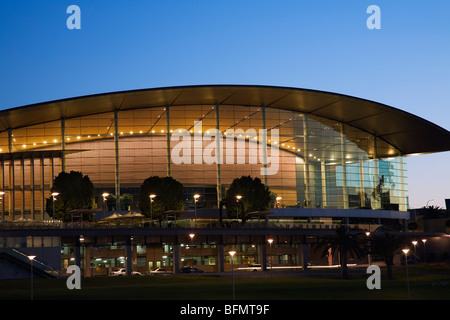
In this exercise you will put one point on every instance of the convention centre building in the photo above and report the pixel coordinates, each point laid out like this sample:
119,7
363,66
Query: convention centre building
329,158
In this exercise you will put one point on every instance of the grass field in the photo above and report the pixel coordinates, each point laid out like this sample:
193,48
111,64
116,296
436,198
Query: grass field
423,285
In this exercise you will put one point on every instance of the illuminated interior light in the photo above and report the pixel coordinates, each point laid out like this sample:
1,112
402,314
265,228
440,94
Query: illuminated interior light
78,137
68,139
34,143
24,145
162,131
45,142
55,141
140,131
153,131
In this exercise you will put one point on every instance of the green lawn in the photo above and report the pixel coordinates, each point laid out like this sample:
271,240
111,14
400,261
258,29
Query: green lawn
423,285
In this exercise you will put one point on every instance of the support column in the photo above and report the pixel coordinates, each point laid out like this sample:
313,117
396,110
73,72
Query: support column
3,188
63,144
78,252
12,201
176,257
264,256
264,142
116,156
168,141
43,186
33,189
129,266
221,258
306,160
305,254
218,157
344,169
22,183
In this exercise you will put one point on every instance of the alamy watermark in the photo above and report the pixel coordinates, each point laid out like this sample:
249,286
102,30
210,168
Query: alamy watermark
227,148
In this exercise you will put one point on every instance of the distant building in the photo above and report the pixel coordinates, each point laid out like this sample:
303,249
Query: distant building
330,158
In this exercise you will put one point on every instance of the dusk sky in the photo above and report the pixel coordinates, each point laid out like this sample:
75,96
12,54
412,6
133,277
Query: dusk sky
321,45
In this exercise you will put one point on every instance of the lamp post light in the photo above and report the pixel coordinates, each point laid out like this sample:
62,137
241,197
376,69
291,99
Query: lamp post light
368,254
232,253
424,250
238,199
405,251
1,202
152,196
54,195
31,274
414,242
104,195
270,240
196,196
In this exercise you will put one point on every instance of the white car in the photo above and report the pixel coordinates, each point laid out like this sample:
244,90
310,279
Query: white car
123,272
159,271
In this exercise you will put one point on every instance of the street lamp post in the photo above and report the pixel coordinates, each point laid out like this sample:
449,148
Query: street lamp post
31,274
196,196
54,195
1,198
424,250
232,253
238,199
405,251
271,256
152,196
104,195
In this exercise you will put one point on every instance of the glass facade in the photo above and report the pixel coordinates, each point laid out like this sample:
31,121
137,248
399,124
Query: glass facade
310,161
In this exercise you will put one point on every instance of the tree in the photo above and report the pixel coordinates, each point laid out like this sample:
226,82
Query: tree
75,191
342,243
169,196
255,197
386,245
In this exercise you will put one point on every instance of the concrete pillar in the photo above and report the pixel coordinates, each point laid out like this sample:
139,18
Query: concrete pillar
176,257
305,256
129,258
220,258
116,156
263,257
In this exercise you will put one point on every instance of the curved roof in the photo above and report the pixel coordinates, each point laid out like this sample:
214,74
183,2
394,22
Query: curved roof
408,133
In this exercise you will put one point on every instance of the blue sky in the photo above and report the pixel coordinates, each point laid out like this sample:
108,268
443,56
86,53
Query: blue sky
323,45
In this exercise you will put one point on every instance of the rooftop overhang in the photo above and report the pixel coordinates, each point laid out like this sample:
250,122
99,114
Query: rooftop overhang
408,133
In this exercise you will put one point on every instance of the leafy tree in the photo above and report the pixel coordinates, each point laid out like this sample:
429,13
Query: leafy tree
75,192
169,196
255,197
387,245
342,243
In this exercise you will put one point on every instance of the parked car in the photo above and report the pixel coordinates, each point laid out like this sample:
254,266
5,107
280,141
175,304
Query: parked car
123,272
159,271
190,270
255,267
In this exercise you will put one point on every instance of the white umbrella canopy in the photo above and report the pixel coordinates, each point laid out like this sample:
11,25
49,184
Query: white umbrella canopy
115,215
24,219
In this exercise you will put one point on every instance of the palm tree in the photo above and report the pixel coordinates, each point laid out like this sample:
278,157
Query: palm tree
386,245
343,244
